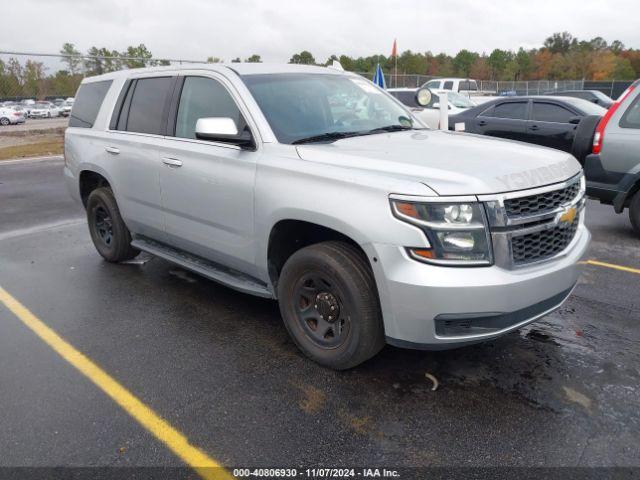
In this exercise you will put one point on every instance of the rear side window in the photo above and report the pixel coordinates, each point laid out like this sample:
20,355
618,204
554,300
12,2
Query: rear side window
448,85
512,110
468,86
631,118
88,102
148,102
202,98
548,112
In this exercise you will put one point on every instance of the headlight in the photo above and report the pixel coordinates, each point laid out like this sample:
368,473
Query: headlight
457,232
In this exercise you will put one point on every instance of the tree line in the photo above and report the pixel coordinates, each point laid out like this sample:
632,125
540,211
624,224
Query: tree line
561,57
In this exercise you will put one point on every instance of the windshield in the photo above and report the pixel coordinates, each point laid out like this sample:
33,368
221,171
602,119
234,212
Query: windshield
300,106
459,101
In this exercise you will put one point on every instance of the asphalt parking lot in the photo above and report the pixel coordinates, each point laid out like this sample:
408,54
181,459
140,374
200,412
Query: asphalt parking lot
219,367
36,124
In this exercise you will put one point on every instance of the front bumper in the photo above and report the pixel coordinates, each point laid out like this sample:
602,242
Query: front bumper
433,307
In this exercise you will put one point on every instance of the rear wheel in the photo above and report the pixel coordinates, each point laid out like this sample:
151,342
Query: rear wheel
634,213
108,231
329,303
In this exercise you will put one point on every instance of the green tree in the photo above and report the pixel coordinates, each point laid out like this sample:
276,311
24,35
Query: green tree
214,60
236,60
304,58
33,77
139,57
72,58
559,42
497,63
93,64
463,62
254,59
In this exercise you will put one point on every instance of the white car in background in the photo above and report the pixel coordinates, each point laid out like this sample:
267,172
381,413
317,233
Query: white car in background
65,108
44,110
11,116
430,115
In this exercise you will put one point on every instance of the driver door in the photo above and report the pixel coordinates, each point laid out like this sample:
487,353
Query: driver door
207,187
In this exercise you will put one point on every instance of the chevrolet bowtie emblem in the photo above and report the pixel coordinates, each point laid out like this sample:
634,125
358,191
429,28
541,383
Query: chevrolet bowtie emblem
568,216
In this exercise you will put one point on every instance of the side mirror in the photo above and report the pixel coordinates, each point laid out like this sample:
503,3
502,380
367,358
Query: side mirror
222,129
423,97
575,120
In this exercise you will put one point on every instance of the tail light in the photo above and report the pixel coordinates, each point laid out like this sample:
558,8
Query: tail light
599,135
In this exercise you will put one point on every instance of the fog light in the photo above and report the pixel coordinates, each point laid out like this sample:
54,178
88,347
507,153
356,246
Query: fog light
459,240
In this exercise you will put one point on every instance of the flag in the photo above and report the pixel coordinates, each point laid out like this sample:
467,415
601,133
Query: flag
394,50
378,78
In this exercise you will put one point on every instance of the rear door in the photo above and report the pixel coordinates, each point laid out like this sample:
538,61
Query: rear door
208,187
549,125
137,125
506,119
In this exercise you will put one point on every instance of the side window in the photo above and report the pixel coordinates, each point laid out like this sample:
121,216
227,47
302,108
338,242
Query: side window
468,86
201,98
88,102
147,105
448,85
548,112
512,110
631,118
433,84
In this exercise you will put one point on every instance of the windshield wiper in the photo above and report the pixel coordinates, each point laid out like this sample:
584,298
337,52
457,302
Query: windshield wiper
390,128
324,137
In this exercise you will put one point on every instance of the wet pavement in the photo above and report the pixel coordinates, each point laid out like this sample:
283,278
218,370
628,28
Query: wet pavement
219,366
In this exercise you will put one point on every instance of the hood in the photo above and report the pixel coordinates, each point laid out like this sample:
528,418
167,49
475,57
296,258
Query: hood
449,163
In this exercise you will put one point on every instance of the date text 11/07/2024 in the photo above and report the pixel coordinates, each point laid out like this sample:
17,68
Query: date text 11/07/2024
316,473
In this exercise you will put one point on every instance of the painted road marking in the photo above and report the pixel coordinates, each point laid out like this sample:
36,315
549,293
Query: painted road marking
41,228
611,265
204,465
45,158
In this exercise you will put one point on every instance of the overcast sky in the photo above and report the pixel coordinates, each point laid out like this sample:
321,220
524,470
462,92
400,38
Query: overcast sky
274,29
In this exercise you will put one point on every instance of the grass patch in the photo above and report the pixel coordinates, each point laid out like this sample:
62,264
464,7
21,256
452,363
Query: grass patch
36,149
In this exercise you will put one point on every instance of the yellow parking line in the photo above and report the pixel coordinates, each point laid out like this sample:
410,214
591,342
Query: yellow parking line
206,467
611,265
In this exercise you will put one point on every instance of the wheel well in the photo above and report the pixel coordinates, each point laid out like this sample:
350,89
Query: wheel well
632,191
89,181
289,236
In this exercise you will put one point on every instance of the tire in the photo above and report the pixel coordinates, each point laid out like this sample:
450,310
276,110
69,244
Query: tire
634,212
110,235
583,139
4,121
317,278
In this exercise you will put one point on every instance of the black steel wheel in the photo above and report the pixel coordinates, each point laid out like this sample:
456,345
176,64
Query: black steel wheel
329,303
108,231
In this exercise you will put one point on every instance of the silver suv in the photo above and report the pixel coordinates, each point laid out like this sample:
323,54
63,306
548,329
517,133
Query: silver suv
314,187
613,168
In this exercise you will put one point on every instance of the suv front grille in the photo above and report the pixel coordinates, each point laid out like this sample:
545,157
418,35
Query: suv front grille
533,247
542,202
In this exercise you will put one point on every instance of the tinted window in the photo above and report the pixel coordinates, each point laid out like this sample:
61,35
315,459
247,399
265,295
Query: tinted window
147,105
408,98
514,110
631,118
448,85
547,112
468,86
88,102
201,98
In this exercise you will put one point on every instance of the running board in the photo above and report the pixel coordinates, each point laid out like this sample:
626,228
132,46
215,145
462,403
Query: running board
206,268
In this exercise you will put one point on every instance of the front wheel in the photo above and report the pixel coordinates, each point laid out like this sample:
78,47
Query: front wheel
108,231
4,121
329,304
634,213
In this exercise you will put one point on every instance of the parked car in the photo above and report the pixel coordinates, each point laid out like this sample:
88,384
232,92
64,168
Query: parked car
43,110
10,116
430,114
452,85
595,96
65,108
543,120
613,167
364,226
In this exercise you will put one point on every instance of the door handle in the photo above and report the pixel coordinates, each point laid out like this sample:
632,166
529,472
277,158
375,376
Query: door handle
172,162
534,127
113,150
482,123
